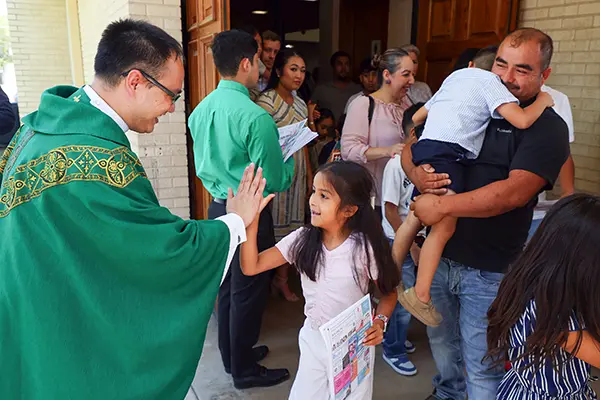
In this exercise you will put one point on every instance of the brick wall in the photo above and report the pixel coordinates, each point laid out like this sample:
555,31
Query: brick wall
94,16
40,48
575,27
164,153
40,43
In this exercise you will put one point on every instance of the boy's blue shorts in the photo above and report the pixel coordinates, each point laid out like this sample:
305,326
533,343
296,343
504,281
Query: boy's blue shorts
444,157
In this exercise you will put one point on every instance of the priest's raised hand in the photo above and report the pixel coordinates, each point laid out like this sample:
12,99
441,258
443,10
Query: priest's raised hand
249,200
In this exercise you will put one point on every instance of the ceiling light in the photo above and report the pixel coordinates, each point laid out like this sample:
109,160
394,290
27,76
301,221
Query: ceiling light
260,12
289,46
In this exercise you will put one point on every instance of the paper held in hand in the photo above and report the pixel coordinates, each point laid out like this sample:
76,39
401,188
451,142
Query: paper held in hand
350,361
294,137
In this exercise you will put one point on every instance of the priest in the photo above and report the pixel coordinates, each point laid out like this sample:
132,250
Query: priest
104,294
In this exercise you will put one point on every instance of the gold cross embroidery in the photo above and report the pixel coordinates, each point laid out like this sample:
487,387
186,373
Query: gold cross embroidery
76,99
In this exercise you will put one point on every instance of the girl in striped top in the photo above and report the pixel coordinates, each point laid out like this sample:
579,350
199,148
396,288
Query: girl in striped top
546,317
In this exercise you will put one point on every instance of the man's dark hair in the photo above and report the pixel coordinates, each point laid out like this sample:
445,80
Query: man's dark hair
336,55
522,35
407,120
271,36
127,44
229,48
485,58
366,65
250,29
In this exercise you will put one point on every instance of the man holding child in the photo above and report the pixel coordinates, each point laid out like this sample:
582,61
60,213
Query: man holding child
494,213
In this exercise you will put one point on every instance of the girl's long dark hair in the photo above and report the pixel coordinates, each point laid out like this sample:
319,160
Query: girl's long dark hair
281,60
560,271
354,185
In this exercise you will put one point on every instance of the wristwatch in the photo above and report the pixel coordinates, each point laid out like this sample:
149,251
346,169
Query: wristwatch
383,319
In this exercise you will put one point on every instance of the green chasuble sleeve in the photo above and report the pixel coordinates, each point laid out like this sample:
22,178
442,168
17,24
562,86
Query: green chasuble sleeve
104,294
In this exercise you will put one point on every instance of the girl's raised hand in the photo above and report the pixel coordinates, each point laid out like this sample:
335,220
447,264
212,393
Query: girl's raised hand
265,201
374,334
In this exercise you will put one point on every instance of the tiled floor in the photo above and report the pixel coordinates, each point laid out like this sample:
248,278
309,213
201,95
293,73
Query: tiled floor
281,324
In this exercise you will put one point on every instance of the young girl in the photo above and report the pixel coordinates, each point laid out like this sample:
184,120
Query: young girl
342,255
547,313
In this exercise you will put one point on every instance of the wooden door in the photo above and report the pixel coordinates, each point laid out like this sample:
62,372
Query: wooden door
204,19
361,28
448,27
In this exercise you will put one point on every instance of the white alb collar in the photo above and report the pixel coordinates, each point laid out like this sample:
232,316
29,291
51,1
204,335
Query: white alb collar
103,106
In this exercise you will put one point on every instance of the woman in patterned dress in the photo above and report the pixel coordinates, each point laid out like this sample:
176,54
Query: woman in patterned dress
546,317
286,108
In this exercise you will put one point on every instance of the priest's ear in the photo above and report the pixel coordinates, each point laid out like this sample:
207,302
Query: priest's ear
133,79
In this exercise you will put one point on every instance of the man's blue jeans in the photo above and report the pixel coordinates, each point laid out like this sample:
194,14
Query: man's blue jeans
395,336
463,296
535,224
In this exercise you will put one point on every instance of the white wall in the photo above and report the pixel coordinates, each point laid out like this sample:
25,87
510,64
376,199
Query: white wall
94,16
40,45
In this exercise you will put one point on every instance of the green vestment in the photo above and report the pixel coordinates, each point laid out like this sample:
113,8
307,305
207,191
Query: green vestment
104,294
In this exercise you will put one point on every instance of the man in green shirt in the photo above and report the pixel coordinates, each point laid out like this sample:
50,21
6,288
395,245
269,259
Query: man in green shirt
104,294
230,131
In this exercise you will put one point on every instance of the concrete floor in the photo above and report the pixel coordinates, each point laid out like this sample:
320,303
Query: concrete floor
281,323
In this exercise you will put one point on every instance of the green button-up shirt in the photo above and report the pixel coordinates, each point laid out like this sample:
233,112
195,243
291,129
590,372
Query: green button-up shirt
230,132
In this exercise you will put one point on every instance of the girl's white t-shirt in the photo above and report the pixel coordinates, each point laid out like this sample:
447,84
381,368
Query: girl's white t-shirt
335,289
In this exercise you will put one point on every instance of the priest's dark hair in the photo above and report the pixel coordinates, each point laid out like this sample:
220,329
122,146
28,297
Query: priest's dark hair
230,48
127,44
354,185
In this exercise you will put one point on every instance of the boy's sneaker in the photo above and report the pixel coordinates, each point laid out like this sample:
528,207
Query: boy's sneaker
409,347
401,365
424,312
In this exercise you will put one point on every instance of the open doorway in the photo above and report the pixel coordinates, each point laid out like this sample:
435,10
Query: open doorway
442,29
296,22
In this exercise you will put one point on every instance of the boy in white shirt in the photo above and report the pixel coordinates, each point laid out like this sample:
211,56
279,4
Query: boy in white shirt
396,195
562,106
457,117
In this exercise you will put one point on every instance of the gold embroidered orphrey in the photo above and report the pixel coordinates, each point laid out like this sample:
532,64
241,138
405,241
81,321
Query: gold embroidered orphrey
116,167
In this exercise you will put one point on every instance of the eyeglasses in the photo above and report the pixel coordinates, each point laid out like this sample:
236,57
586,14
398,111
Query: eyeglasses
174,96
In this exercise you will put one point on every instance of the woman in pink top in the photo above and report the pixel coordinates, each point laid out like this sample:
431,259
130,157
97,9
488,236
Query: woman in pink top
374,145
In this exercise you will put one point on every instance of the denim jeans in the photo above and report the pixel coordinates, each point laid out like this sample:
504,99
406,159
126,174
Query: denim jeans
535,224
463,296
395,336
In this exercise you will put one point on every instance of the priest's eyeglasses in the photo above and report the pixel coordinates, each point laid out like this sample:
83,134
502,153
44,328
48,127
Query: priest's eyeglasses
174,96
